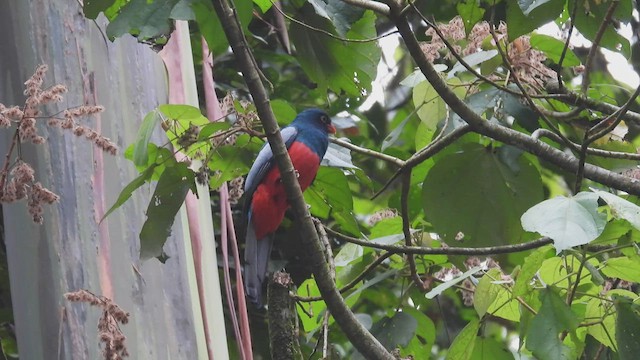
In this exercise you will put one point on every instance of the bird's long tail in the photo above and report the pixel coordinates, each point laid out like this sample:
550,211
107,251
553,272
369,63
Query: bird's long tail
256,262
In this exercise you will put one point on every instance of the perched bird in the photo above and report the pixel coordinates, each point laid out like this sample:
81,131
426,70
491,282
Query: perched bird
307,139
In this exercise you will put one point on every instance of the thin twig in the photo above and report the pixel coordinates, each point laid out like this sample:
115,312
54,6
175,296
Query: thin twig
368,152
423,250
586,78
539,133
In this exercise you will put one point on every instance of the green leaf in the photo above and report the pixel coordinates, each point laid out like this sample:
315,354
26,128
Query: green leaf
395,134
140,149
228,162
211,128
387,231
622,268
210,27
332,63
471,13
472,60
604,332
128,190
627,329
490,348
142,18
472,192
338,156
310,313
264,5
553,317
448,284
339,12
331,187
462,346
431,109
182,118
622,208
183,11
527,6
284,112
486,292
395,331
348,253
93,8
425,334
519,24
532,264
569,221
167,199
553,48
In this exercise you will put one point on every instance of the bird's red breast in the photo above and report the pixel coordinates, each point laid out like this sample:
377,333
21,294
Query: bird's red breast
269,201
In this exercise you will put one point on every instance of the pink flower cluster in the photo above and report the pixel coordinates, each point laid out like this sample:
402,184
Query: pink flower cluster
528,63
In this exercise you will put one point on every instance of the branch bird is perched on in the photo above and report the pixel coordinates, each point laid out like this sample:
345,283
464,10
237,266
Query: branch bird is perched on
307,139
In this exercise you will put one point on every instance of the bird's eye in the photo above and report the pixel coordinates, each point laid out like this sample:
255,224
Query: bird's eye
325,119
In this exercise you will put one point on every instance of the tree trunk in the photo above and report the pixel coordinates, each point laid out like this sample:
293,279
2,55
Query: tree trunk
72,250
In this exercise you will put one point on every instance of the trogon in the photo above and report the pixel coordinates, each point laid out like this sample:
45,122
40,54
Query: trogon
307,139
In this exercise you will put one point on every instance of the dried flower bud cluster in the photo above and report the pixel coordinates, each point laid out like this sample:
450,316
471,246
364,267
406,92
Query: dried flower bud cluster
19,183
189,137
109,330
381,215
17,178
467,287
236,189
528,63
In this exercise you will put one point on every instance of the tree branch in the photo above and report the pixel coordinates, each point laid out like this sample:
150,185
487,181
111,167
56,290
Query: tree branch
362,340
422,250
499,132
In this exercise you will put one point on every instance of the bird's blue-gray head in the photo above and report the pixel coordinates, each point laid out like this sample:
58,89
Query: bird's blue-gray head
315,118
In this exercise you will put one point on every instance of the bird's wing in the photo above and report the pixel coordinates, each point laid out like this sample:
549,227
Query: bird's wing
264,161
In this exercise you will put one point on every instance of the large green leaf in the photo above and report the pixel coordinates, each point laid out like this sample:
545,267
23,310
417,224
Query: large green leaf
462,346
470,12
334,64
553,48
128,190
622,208
142,18
553,317
627,329
395,331
532,264
92,8
569,221
167,199
210,26
604,332
519,24
473,193
339,12
425,334
486,292
622,268
330,189
140,149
